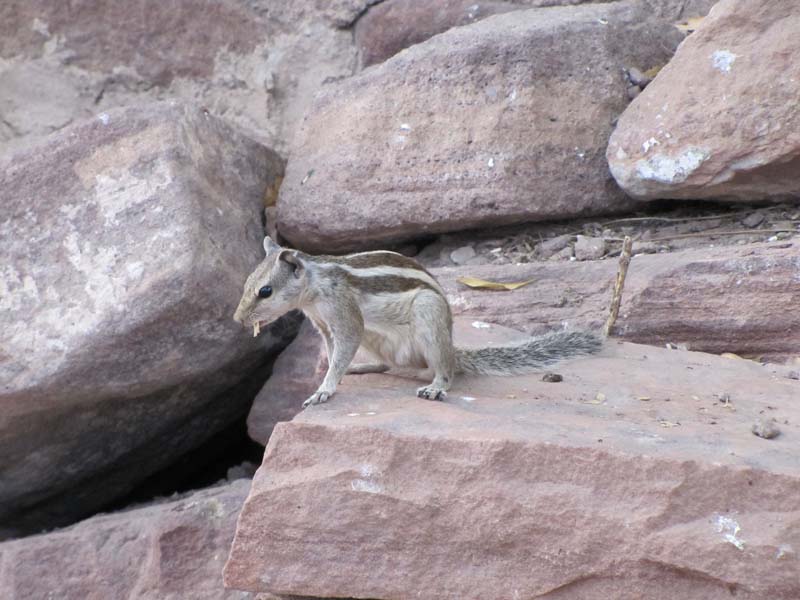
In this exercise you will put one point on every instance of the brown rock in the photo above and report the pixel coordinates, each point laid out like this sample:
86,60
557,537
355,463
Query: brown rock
256,63
499,122
168,551
125,241
297,373
719,121
732,299
392,25
519,488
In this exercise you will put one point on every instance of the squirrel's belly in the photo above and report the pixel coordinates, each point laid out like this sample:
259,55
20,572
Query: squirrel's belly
394,346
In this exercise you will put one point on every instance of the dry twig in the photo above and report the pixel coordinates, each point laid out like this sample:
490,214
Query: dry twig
619,284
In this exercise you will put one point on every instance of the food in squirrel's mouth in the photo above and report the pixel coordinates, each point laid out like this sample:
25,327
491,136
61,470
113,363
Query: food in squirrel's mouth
256,328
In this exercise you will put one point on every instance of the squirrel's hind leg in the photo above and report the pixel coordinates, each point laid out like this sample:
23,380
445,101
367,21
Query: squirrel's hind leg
433,332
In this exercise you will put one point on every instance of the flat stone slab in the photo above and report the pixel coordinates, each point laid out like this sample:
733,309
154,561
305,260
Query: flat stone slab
739,299
170,550
636,477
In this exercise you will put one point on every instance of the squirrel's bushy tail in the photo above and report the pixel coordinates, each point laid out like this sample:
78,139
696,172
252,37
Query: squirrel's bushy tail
528,355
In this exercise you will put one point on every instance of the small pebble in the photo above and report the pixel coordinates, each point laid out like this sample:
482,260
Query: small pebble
766,429
552,377
462,255
794,375
754,219
589,248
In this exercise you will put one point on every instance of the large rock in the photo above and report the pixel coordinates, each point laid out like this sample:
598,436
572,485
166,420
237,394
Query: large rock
254,62
393,25
727,299
503,121
720,120
168,551
636,477
125,241
296,374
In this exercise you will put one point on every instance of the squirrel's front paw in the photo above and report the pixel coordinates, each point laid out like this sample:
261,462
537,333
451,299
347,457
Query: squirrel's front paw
431,393
317,398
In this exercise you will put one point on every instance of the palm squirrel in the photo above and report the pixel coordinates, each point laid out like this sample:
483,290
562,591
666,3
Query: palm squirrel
391,306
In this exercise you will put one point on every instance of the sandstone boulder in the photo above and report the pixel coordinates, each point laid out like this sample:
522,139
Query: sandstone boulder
173,550
730,299
256,63
637,476
125,242
296,374
502,121
392,25
720,120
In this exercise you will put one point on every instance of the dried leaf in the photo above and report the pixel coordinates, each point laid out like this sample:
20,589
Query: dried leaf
644,398
665,423
474,282
689,25
730,355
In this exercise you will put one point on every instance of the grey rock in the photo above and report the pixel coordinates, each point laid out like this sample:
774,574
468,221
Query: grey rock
589,248
548,248
461,255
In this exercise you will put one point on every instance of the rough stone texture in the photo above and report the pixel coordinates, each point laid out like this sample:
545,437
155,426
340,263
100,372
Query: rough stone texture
733,299
125,242
169,551
502,121
296,374
255,62
393,25
719,121
630,479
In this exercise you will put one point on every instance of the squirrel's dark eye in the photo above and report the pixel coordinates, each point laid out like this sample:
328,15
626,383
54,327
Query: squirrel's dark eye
265,292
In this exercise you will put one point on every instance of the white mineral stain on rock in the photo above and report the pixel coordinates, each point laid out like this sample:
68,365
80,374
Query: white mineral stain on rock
40,27
730,530
668,169
104,118
367,481
119,190
649,144
722,60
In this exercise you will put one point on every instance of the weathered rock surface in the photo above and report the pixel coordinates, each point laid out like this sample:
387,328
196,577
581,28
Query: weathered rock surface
502,121
393,25
719,121
734,299
125,242
296,374
256,63
632,478
169,551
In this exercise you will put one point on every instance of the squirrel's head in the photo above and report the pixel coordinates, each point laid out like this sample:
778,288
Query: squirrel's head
274,288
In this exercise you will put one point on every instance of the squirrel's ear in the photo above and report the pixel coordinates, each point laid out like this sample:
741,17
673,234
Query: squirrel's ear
270,247
290,257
